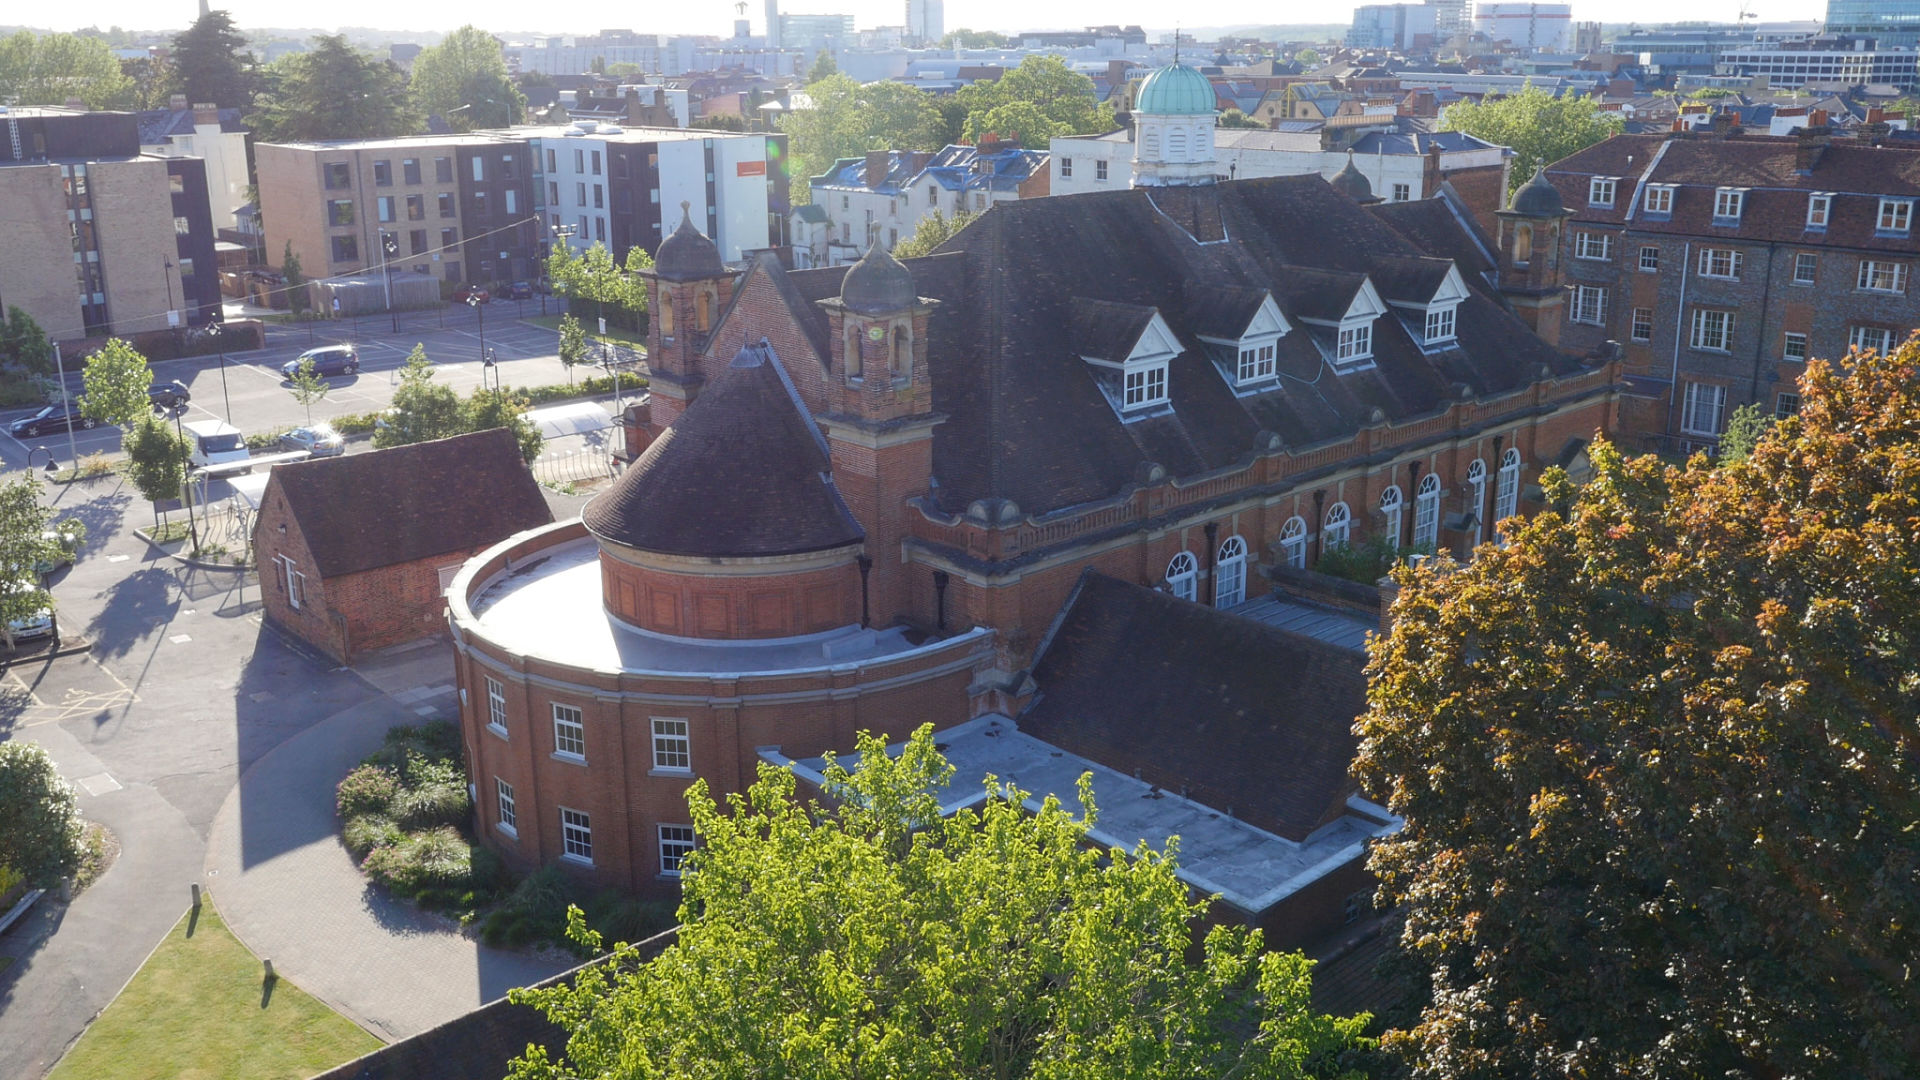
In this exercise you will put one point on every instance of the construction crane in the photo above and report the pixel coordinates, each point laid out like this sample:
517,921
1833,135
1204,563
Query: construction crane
1746,14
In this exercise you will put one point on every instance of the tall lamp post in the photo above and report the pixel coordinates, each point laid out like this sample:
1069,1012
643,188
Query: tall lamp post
215,331
66,401
480,309
389,247
487,364
166,273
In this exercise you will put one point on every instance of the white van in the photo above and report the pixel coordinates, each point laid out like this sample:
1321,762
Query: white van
215,442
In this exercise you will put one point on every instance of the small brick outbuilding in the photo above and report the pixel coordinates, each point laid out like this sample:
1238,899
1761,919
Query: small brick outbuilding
354,552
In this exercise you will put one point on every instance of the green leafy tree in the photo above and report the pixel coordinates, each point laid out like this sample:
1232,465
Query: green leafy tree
307,387
39,815
422,410
464,81
508,409
23,345
823,67
156,458
24,544
597,287
933,230
573,344
210,63
876,938
720,122
1307,58
332,91
974,39
1234,118
151,76
1540,127
295,280
1744,429
1057,92
1656,761
47,69
115,383
848,119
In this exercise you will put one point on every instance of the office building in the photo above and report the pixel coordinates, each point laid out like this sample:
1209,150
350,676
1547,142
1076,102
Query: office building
1893,23
1825,62
926,21
1528,27
1400,27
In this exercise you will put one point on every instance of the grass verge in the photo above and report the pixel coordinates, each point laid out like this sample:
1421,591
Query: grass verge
198,1010
615,334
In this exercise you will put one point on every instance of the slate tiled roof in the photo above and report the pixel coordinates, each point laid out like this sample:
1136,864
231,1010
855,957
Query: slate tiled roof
1028,422
159,125
1443,231
1776,201
1240,714
742,473
364,511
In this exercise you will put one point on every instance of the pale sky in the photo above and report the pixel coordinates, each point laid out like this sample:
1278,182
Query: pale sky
716,16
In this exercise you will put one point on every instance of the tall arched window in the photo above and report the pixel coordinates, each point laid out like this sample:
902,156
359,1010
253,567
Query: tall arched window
1426,514
1339,522
666,314
1477,495
1390,507
704,317
1182,574
852,335
1230,573
1506,495
902,356
1523,245
1293,542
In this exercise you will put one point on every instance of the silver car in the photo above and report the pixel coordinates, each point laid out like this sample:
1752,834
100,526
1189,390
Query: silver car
318,440
37,625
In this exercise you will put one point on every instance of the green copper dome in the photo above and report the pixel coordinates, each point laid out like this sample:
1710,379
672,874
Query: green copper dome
1177,90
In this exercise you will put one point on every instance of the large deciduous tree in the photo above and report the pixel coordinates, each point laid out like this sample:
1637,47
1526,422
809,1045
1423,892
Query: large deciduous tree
464,81
422,409
157,459
47,69
332,91
1056,93
210,63
24,346
934,229
1657,760
876,938
115,383
1540,127
847,119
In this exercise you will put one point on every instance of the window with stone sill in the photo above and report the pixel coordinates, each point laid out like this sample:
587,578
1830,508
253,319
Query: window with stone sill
1642,324
1806,265
1594,246
576,834
1506,494
1650,260
672,746
496,707
1725,263
676,843
1794,347
503,801
1878,275
1589,305
569,732
1712,330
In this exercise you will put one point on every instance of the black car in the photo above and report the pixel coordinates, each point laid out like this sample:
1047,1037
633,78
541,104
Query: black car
51,418
520,290
327,360
169,395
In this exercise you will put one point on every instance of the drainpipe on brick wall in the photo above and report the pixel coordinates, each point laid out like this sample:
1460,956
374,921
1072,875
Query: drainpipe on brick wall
1760,344
1407,520
940,579
866,568
1319,521
1679,328
346,642
1213,553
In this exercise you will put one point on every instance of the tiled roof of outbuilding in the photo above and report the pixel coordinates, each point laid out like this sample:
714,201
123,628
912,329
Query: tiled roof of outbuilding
364,511
1236,713
743,473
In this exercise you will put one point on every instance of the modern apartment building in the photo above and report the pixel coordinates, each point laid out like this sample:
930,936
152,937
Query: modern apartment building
1722,261
1895,23
460,207
214,135
1824,61
98,237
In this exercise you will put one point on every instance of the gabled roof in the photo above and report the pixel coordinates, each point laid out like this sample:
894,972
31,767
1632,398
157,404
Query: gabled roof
743,473
1228,711
365,511
159,125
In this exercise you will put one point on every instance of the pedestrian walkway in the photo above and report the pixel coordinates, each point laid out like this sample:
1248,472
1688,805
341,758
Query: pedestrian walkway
290,891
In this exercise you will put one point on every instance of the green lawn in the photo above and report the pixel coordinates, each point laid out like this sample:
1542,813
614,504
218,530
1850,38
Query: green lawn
196,1011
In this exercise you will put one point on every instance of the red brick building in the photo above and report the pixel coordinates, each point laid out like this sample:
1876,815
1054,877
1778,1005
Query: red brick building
355,551
872,490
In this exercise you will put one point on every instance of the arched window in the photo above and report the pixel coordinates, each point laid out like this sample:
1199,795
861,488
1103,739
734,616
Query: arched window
1390,507
1506,496
1477,496
902,356
1230,573
1334,533
703,319
1523,245
851,334
1293,542
666,314
1182,574
1426,514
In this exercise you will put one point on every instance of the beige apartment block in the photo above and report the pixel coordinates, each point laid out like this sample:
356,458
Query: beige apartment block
36,274
133,243
133,213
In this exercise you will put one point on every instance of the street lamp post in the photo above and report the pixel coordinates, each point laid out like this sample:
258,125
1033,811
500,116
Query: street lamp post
389,247
220,344
473,301
66,402
52,465
166,273
487,364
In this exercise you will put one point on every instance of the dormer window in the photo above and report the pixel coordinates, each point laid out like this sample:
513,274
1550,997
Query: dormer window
1440,324
1896,216
1244,328
1727,204
1600,191
1659,199
1146,386
1356,344
1819,209
1256,363
1128,349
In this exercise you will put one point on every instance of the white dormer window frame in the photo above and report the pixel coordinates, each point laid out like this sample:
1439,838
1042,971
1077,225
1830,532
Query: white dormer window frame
1601,190
1728,203
1255,352
1819,210
1144,386
1659,199
1895,217
1256,361
1355,343
1435,323
1440,323
1144,377
1353,330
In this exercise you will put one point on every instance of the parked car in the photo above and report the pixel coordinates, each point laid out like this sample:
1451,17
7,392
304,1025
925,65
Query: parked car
51,418
39,624
520,290
327,360
215,442
318,440
65,538
169,395
471,293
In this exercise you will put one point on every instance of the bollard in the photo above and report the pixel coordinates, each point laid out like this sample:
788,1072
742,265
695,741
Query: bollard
196,894
267,963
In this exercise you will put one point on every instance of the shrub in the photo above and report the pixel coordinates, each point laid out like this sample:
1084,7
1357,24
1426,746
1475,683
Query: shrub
435,794
1367,561
434,859
39,821
439,739
622,918
370,831
369,789
354,423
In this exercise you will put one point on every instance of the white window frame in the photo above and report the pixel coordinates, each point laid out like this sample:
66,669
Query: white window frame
1641,328
1392,505
1793,346
1602,190
1477,484
1506,492
562,739
1426,513
1819,210
1895,216
672,745
1725,264
1882,339
1336,531
1712,330
1589,305
1354,344
1066,166
1786,404
1882,276
1440,323
1100,168
1230,573
1256,362
1809,260
1143,385
1729,203
296,582
676,843
1183,576
1293,542
1593,246
496,706
1703,410
1402,193
1659,199
576,836
504,817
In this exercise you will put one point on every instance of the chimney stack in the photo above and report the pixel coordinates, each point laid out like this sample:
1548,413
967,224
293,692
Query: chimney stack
877,161
1813,145
178,103
1430,175
206,114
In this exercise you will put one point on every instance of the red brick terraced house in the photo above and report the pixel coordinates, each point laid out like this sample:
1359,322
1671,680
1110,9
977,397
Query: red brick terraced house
871,490
356,551
1721,261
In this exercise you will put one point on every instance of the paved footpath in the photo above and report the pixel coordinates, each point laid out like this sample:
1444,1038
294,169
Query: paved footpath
304,904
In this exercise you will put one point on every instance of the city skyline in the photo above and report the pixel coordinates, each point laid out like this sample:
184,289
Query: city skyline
717,18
